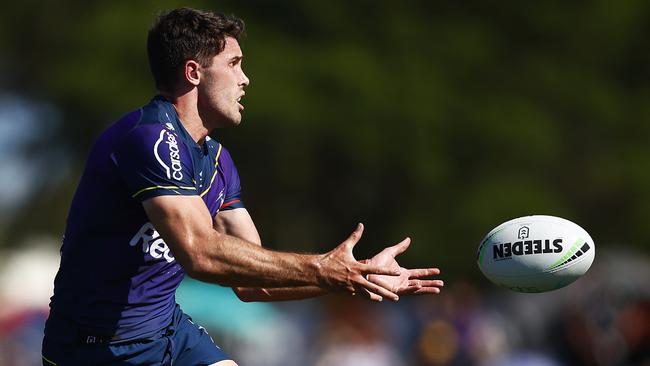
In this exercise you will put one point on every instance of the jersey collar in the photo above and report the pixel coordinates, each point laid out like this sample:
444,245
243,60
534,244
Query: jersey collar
170,118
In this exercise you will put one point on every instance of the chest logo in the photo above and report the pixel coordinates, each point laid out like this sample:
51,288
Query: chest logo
152,243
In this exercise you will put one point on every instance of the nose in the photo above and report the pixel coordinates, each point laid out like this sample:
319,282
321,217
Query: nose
245,81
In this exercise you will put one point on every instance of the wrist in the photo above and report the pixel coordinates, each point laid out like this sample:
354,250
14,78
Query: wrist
316,267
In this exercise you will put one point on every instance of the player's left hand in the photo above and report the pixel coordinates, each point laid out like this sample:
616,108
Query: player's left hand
410,281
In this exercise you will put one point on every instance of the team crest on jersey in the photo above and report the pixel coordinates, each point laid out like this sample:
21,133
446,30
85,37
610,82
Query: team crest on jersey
168,154
152,243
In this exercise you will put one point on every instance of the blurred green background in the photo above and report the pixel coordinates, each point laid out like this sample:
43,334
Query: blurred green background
433,119
436,120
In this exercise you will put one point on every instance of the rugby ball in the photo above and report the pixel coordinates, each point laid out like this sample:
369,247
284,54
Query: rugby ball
535,253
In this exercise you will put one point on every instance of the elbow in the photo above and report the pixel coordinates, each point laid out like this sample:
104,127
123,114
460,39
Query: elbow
198,264
200,268
196,270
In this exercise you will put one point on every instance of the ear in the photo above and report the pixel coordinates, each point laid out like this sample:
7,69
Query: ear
192,72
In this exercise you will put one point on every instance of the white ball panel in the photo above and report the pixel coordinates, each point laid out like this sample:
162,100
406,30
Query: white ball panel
536,253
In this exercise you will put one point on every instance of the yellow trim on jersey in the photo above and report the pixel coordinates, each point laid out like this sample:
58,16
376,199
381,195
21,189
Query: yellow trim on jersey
162,187
48,361
216,164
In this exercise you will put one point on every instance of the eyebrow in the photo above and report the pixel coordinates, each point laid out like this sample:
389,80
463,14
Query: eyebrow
236,58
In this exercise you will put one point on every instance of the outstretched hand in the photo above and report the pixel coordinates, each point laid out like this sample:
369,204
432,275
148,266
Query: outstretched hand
409,281
340,271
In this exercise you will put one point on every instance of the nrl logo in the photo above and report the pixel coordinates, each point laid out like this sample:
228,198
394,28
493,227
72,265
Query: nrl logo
524,232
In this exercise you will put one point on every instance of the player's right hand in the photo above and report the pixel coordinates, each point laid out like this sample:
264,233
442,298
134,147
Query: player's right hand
340,271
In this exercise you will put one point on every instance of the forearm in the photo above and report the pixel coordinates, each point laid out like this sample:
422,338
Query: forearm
239,223
211,256
249,294
233,262
208,255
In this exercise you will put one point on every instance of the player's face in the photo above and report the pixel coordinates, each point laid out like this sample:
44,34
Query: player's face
222,87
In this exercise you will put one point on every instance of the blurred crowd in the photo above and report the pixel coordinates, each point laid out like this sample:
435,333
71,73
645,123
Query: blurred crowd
602,319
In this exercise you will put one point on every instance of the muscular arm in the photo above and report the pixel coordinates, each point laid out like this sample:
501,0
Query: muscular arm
185,224
239,223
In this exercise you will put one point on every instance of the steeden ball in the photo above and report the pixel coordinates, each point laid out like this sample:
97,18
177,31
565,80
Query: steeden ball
536,253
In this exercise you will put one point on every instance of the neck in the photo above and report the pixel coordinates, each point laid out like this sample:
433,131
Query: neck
188,113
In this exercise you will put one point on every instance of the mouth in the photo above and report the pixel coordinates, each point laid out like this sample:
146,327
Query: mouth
241,106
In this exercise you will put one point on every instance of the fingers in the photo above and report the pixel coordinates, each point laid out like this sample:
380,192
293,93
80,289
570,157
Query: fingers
430,283
370,295
412,287
410,290
423,272
421,287
426,291
373,296
378,290
369,269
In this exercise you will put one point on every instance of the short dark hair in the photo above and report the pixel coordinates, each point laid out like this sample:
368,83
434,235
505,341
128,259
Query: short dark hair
187,34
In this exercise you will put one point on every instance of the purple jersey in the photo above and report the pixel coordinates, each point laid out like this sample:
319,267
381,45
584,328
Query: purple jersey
117,276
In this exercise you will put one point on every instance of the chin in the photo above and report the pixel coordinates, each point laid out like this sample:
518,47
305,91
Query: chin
234,122
226,124
237,120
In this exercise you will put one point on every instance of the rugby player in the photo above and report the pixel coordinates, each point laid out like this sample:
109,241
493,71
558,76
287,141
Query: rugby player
159,197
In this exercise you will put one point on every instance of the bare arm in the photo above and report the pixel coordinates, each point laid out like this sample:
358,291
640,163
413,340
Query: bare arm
185,224
239,223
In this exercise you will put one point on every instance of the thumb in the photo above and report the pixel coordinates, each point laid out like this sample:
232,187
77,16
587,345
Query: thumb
400,247
352,240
